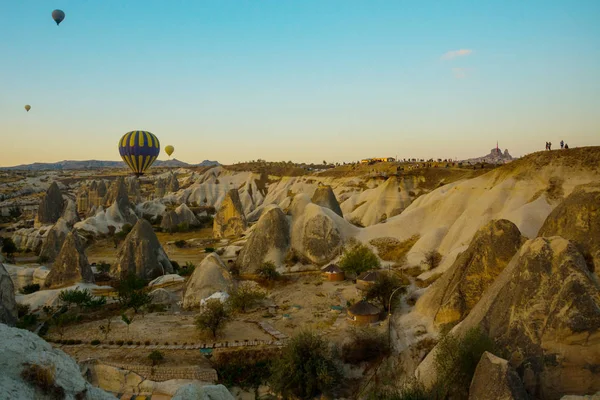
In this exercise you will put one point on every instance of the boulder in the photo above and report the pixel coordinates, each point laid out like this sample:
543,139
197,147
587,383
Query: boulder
544,305
71,265
182,216
172,184
577,219
451,297
230,220
142,254
269,241
202,392
209,277
21,349
51,206
325,197
30,238
54,240
162,296
8,306
315,233
494,379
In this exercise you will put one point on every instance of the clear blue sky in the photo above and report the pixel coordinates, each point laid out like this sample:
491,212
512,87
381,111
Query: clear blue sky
301,80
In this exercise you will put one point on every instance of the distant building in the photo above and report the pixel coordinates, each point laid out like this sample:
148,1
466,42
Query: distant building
363,313
377,159
333,273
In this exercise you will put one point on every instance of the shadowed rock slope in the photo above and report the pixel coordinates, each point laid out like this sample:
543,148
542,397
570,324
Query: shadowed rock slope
325,197
71,265
494,379
544,309
8,306
142,254
209,277
577,219
454,295
51,206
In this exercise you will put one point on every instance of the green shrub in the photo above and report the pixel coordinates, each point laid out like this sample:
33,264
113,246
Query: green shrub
183,227
306,368
129,342
432,259
383,288
156,357
245,368
103,267
410,391
120,342
268,271
9,247
359,259
43,259
180,243
147,343
206,221
244,297
187,269
213,317
366,344
31,288
209,249
95,342
456,360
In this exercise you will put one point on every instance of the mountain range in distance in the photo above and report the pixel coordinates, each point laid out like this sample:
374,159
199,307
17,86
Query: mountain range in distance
93,164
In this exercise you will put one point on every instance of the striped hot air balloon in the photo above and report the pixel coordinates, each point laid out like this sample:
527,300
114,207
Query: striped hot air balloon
139,149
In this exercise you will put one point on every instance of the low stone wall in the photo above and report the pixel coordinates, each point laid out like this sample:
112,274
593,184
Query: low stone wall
162,373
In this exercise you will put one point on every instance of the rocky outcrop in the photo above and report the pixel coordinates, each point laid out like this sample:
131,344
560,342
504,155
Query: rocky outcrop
203,392
494,379
160,188
325,197
71,265
30,238
69,213
230,220
97,194
182,217
209,277
54,240
142,254
172,184
82,199
51,206
451,297
8,306
577,219
269,241
133,189
545,308
315,233
20,350
152,210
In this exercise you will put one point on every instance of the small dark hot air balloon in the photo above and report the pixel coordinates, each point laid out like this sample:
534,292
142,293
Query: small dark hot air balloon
139,149
27,107
58,16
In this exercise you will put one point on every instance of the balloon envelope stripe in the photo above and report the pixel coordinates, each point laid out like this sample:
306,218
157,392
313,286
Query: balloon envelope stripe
139,149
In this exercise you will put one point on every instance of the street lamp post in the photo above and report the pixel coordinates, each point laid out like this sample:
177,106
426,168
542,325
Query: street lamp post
390,316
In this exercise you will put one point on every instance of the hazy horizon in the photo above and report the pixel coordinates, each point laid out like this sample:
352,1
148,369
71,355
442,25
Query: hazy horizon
304,81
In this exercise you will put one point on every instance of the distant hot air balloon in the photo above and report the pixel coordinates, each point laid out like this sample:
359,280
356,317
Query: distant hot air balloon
139,149
58,16
27,107
169,150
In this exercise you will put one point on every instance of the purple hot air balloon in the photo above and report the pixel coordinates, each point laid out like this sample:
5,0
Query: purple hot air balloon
58,16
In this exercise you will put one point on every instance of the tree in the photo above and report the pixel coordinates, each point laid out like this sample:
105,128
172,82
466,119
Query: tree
156,357
359,259
132,293
432,259
366,344
305,368
245,296
382,289
127,320
106,329
213,317
9,247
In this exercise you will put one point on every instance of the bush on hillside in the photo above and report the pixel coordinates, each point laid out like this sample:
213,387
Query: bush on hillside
31,288
213,317
244,297
268,271
245,368
366,344
359,259
306,368
432,259
382,289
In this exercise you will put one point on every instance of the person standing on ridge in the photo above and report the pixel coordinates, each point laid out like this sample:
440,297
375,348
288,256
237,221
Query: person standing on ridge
562,144
549,145
546,145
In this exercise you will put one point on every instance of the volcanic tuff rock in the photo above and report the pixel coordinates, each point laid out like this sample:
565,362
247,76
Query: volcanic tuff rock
71,265
30,238
494,379
51,206
230,219
577,219
20,348
316,231
54,240
133,189
203,392
459,289
209,277
181,216
269,241
142,254
545,306
160,188
8,306
325,197
69,213
172,184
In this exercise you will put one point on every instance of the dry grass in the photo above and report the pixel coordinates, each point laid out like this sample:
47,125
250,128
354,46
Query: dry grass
43,379
391,249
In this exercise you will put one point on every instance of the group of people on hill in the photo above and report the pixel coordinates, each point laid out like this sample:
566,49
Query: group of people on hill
563,145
